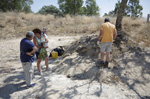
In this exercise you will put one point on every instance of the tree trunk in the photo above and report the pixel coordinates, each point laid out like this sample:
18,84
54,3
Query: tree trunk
120,15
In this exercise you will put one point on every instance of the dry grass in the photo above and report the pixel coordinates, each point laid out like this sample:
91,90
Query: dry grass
14,24
138,30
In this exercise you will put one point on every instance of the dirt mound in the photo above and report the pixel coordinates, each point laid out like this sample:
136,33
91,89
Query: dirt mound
87,47
81,58
129,65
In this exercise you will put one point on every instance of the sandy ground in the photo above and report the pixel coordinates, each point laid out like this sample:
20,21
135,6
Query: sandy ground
130,81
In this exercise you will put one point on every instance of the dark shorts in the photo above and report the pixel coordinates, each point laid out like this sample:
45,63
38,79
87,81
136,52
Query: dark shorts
37,54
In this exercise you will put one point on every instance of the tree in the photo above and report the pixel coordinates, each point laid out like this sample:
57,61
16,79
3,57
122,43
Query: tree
50,10
91,7
120,15
132,9
72,7
83,11
17,5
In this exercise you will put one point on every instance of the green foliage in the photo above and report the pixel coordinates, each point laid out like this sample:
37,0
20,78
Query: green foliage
133,9
91,8
72,7
50,10
83,11
115,11
16,5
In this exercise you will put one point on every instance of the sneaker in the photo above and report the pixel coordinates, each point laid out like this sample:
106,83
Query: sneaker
40,73
48,69
101,63
32,85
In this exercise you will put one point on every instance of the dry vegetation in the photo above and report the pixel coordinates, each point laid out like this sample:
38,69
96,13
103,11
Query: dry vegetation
14,24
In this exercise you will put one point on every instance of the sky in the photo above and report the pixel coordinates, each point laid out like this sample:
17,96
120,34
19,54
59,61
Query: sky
104,5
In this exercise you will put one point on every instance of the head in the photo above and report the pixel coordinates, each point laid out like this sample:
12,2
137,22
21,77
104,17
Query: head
44,30
106,20
29,35
37,32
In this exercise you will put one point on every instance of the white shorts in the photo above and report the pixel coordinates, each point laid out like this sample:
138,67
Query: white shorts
106,47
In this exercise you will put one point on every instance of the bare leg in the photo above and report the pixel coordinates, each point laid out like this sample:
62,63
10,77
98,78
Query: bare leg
102,56
38,65
107,56
46,62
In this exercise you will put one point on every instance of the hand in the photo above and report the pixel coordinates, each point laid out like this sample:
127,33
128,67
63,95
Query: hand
28,53
45,46
98,42
44,42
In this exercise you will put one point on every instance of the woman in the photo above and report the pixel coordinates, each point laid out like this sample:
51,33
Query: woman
40,42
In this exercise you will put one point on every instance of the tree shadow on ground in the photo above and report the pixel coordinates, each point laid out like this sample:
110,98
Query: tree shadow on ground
86,73
12,84
70,91
138,60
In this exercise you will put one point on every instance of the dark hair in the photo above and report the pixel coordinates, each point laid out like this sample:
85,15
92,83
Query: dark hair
106,20
36,30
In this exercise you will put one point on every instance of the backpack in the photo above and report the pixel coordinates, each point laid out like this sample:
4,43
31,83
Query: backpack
59,49
42,53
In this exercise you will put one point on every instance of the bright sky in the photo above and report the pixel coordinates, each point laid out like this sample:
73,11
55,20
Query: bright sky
104,5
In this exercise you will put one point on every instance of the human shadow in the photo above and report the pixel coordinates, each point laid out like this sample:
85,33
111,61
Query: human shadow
8,89
12,84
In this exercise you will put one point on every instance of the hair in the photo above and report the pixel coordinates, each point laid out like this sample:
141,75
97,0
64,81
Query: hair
28,36
36,30
106,20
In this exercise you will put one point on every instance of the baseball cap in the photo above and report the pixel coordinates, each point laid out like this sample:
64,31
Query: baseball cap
29,34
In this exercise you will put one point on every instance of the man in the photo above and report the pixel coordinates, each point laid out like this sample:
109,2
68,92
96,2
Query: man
27,50
107,35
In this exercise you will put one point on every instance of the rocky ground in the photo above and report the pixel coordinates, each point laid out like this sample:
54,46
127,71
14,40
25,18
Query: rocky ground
75,75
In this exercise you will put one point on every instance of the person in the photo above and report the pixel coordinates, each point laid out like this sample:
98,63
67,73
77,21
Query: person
27,50
107,35
45,34
40,42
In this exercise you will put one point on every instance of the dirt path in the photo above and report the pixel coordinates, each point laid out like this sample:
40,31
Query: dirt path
56,85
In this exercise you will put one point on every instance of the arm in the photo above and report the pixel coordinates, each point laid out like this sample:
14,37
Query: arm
115,34
32,52
100,35
46,40
35,43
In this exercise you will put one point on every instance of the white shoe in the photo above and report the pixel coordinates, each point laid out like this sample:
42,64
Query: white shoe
49,69
40,73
